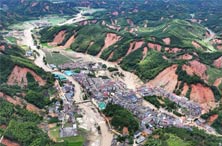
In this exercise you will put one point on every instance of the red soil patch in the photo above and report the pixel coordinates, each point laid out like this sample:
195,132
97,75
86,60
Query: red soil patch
145,49
218,82
219,47
166,79
196,45
167,41
138,45
217,41
130,48
195,53
18,77
212,119
153,38
186,57
156,136
125,131
207,34
20,102
46,8
202,95
91,43
110,56
115,13
59,38
84,22
32,108
2,48
194,20
154,46
113,27
111,38
135,10
1,94
131,30
94,21
218,62
185,89
8,142
34,4
167,49
15,101
134,46
69,42
174,50
113,22
130,22
196,68
3,126
165,58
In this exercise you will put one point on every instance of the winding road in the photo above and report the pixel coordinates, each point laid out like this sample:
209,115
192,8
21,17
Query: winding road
92,115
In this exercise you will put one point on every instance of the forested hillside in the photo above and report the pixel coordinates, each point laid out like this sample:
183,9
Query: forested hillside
24,92
178,49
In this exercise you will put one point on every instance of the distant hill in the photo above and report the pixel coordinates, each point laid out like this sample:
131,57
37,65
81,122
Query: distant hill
13,11
181,56
173,44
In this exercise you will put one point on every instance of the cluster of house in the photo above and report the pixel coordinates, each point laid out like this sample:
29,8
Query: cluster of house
15,34
150,118
81,65
98,88
41,24
109,91
68,90
192,109
105,90
65,111
69,124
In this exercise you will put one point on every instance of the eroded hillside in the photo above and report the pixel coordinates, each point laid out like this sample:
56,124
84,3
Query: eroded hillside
24,92
167,55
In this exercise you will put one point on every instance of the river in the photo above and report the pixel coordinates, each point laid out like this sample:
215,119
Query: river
106,137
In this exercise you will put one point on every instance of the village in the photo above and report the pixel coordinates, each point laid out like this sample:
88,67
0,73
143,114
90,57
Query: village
101,90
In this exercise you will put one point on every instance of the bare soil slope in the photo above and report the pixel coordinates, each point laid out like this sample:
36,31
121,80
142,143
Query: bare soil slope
18,77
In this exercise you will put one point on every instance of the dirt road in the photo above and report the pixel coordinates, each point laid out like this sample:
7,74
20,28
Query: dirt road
28,41
91,115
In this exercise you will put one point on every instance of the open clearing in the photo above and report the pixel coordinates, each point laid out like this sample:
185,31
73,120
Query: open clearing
11,40
71,141
52,20
56,58
176,141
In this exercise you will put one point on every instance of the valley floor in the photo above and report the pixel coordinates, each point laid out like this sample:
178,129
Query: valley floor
91,116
